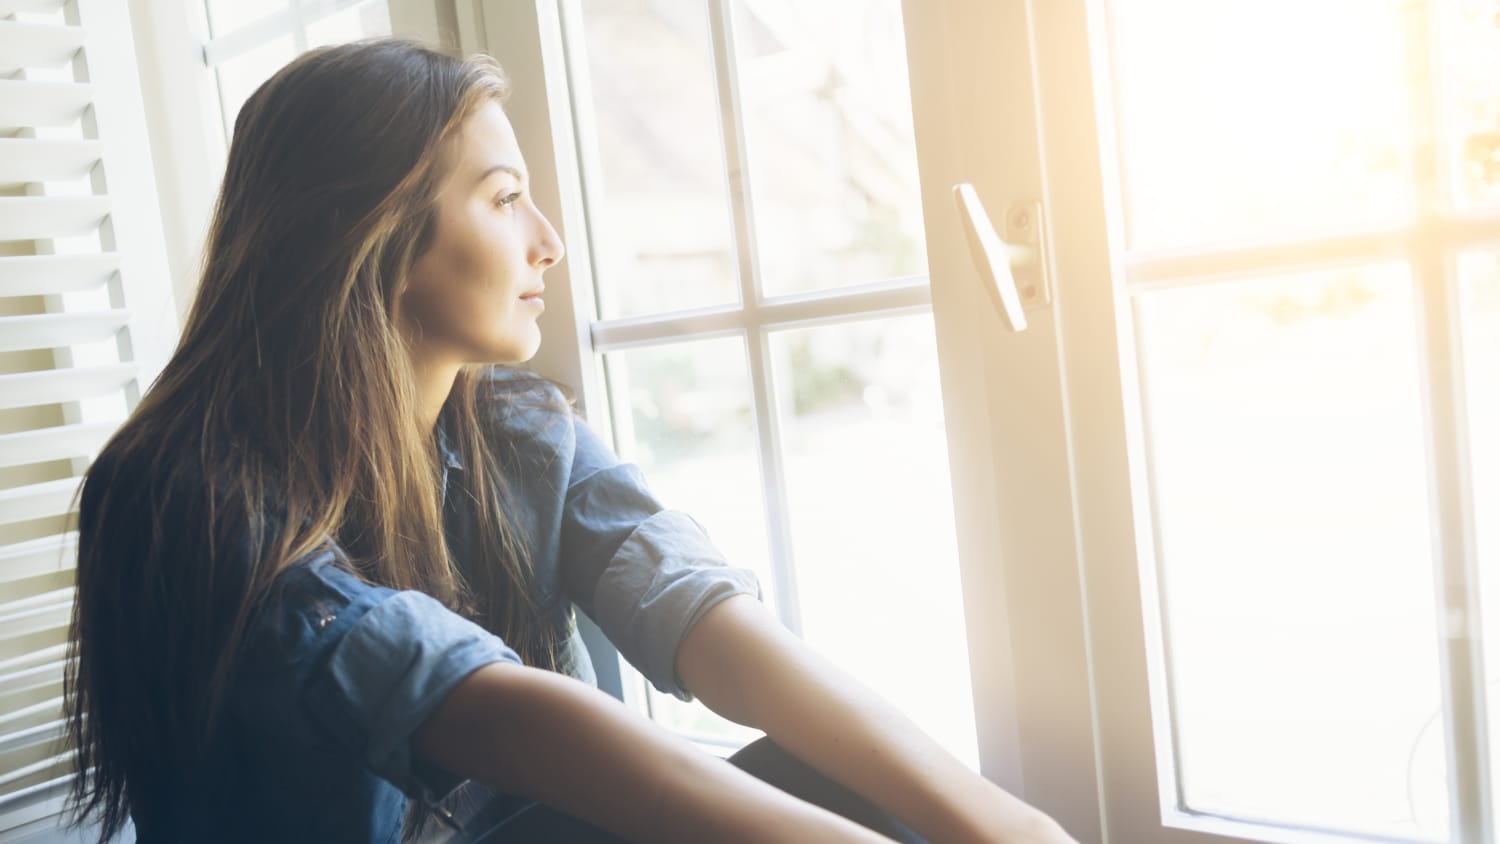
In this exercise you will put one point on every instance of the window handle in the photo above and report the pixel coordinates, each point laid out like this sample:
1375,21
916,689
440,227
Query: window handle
1001,260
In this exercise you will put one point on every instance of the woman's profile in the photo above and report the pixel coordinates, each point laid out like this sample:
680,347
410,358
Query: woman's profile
328,569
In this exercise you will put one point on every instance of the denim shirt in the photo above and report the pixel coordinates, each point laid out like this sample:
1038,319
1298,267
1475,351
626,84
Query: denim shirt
314,744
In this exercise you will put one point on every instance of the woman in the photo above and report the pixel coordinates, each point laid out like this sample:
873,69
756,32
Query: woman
326,569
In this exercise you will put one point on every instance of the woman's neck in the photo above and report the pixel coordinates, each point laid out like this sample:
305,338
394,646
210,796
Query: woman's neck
434,384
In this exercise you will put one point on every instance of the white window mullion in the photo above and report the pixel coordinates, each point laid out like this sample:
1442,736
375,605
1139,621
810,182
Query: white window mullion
767,428
590,170
299,31
897,297
1455,548
573,180
1446,231
226,46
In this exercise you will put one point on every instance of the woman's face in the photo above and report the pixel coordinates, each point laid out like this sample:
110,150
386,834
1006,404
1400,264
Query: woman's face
475,294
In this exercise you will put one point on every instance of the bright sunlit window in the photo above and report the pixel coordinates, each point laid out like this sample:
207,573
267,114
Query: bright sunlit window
754,215
1287,411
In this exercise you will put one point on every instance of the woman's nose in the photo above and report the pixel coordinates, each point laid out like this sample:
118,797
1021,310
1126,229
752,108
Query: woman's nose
548,249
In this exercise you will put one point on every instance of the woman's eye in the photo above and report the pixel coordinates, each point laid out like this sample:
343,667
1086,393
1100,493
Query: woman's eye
506,199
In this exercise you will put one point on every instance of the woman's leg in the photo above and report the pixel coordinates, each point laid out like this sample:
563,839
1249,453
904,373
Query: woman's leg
502,824
768,761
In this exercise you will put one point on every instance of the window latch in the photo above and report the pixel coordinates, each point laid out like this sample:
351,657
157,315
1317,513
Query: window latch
1013,266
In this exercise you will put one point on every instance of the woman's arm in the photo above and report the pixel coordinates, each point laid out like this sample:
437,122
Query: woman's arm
551,738
741,662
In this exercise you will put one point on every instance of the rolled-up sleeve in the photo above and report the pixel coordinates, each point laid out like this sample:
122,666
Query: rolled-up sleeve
643,573
390,671
369,665
657,586
648,573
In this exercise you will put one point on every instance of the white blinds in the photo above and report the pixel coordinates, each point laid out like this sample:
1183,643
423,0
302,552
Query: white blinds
85,321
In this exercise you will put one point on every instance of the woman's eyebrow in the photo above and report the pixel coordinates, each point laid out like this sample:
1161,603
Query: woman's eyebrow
502,168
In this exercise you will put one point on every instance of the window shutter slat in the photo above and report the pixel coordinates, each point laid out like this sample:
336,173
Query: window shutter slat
47,769
47,217
35,755
59,443
37,44
35,7
37,501
47,555
53,331
30,809
25,680
29,160
36,620
32,659
40,735
42,712
35,275
59,385
25,104
42,739
41,601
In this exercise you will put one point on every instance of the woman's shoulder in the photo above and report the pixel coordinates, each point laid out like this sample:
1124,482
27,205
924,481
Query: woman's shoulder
174,478
523,413
132,472
307,595
532,415
514,395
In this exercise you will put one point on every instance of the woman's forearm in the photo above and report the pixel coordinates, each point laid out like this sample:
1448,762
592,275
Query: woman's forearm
742,663
551,738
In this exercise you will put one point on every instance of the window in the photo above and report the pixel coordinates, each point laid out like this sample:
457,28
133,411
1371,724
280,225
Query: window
1244,466
1222,508
748,283
756,230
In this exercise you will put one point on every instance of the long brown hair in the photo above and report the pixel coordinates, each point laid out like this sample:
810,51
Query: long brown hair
286,420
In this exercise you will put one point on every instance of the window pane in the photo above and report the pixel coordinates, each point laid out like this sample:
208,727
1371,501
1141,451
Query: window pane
241,75
682,413
1470,45
1479,295
226,16
833,167
1287,460
872,515
366,20
659,205
1257,118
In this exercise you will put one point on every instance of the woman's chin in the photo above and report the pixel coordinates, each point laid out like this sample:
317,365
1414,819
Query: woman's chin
519,352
